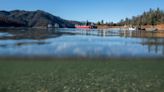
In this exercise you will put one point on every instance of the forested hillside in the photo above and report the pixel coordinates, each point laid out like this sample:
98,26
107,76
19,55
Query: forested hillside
21,18
151,17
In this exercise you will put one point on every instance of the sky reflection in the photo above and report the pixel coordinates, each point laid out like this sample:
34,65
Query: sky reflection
84,46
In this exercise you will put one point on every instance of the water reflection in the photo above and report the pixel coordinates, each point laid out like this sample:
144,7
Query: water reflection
31,33
155,45
80,43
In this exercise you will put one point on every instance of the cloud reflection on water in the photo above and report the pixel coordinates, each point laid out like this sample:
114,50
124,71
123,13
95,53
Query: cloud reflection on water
67,45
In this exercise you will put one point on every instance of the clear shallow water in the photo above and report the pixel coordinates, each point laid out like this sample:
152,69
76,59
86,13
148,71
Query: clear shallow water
79,43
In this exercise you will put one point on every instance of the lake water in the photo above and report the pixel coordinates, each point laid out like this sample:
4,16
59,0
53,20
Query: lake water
25,42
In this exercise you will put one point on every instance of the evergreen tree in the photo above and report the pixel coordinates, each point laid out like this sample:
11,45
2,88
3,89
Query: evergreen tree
102,22
152,17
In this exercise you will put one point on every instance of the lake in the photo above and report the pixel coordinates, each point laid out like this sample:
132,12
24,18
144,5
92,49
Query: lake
70,43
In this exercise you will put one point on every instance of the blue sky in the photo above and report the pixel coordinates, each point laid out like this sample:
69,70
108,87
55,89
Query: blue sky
82,10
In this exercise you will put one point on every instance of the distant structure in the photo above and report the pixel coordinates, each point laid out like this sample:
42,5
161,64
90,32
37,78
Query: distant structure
56,25
86,25
49,26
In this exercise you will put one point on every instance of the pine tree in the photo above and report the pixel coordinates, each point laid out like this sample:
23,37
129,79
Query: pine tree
152,17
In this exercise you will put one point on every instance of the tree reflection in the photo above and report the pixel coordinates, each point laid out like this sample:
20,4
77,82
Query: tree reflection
154,45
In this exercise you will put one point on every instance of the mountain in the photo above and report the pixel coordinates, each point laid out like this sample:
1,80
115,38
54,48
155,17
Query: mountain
21,18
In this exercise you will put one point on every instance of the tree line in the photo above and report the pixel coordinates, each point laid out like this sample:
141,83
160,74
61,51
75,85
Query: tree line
151,17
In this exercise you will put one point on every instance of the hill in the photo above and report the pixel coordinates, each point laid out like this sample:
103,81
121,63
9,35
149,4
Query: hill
21,18
151,17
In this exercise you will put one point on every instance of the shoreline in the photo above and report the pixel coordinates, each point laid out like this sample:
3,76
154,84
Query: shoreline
83,59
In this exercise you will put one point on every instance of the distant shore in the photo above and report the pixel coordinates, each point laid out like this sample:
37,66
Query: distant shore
160,27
